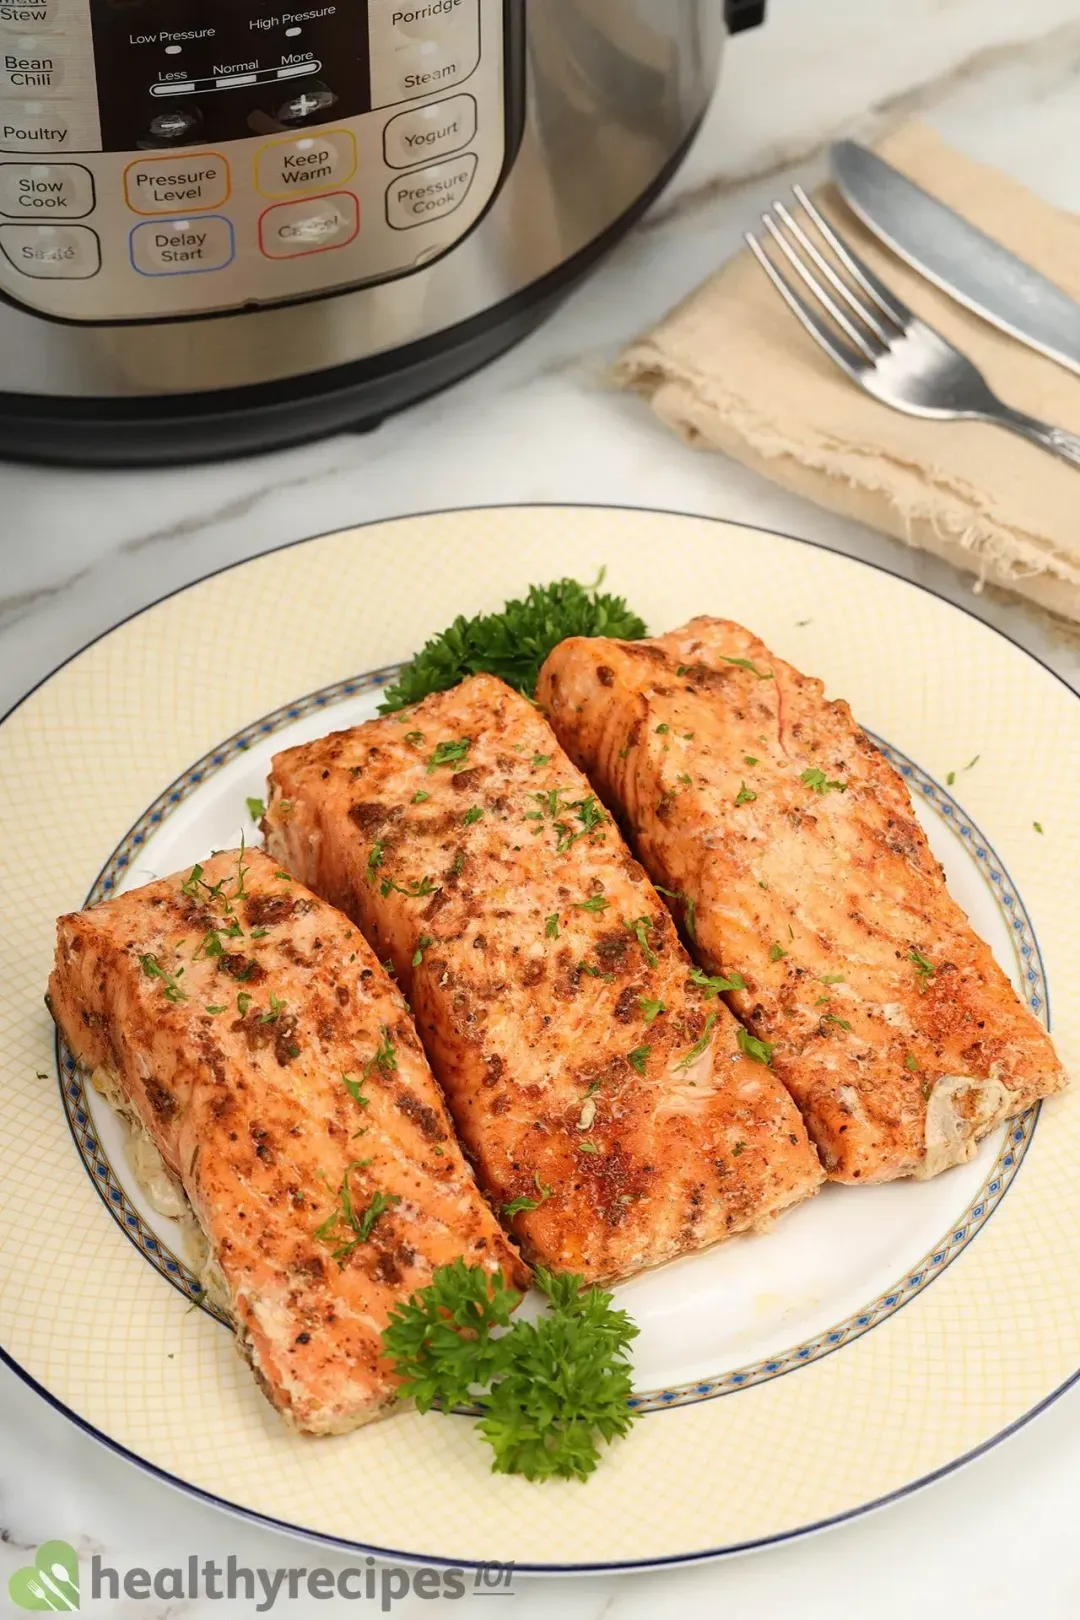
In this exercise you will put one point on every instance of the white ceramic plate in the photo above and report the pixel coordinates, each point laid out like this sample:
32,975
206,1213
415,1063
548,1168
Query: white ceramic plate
874,1338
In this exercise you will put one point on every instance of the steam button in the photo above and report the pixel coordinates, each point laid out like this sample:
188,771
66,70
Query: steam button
419,49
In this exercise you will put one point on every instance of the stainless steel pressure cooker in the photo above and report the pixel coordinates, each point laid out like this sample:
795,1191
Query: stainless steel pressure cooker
232,224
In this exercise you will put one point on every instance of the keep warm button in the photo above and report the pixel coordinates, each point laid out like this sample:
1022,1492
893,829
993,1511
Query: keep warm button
168,185
427,194
182,247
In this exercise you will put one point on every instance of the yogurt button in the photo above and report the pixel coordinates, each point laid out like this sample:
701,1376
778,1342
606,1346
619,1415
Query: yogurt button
429,132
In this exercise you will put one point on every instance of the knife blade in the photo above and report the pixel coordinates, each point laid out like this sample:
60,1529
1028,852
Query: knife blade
956,256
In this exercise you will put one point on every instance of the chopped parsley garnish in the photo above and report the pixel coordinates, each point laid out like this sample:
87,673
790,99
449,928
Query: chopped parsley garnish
638,1058
924,969
831,1018
745,663
1037,826
411,891
640,929
256,809
588,1147
414,738
716,986
686,781
819,782
473,815
213,1011
595,905
749,759
594,972
420,796
551,926
689,910
421,946
385,1059
347,1228
682,669
776,953
374,860
831,978
541,759
650,1010
737,1149
514,642
950,779
972,762
517,1205
662,729
588,813
449,753
699,1045
912,1063
552,1390
760,1051
745,795
170,982
275,1011
243,1002
259,933
355,1088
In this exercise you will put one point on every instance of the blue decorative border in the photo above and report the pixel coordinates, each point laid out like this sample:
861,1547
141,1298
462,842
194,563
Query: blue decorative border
972,1221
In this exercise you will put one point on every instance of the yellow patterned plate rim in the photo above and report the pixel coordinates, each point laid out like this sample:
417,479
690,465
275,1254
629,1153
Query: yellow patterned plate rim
85,1321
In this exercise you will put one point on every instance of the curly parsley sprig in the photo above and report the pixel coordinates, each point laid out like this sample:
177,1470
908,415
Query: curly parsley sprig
550,1391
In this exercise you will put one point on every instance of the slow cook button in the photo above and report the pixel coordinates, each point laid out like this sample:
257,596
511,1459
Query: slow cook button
30,66
290,229
182,247
52,252
46,190
311,163
427,194
167,185
429,132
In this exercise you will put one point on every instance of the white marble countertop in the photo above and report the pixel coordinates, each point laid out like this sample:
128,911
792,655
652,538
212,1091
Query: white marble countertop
81,550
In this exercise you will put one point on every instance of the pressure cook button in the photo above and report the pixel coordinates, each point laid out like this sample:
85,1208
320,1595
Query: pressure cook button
310,163
290,229
166,185
182,247
426,194
34,127
22,15
30,66
46,190
52,252
429,132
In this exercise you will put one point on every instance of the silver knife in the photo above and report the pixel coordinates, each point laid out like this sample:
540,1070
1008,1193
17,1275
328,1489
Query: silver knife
963,261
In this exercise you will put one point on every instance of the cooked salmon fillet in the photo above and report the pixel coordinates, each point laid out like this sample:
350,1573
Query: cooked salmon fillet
246,1027
600,1092
796,862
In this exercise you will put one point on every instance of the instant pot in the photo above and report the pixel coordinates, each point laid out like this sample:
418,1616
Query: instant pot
232,224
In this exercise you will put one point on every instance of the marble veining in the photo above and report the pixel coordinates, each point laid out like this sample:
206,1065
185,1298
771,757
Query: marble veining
81,550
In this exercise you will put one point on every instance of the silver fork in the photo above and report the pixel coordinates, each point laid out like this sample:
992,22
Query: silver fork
889,351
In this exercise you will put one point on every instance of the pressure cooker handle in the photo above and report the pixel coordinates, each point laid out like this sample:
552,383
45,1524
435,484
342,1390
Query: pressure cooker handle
742,14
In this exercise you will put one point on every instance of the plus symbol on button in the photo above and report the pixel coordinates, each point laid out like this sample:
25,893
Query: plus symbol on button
304,105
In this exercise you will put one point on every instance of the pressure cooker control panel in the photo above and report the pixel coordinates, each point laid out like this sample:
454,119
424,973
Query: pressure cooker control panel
164,158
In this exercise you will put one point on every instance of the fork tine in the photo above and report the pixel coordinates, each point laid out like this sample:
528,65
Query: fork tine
807,277
883,297
837,350
862,309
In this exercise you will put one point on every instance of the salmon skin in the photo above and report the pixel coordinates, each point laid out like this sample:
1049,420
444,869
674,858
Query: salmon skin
249,1031
790,844
601,1094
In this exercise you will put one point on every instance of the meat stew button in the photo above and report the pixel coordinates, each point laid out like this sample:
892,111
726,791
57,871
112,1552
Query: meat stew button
182,247
427,194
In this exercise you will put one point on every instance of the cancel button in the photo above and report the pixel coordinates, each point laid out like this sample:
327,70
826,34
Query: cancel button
428,194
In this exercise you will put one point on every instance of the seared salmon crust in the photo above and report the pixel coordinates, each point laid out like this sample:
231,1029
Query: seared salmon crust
250,1032
601,1094
797,862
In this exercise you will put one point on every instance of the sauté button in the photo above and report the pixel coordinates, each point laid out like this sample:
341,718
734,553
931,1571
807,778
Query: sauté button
308,163
52,252
46,190
30,66
426,194
429,132
182,247
290,229
171,185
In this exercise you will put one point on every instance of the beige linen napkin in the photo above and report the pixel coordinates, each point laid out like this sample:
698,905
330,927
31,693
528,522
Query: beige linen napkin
733,370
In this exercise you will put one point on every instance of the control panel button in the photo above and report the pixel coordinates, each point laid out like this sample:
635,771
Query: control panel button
416,50
52,252
425,194
183,247
35,127
290,229
26,16
175,125
53,190
166,185
312,100
309,163
429,132
30,66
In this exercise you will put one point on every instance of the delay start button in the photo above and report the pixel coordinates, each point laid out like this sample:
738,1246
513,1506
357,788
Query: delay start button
168,185
182,247
427,194
307,164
